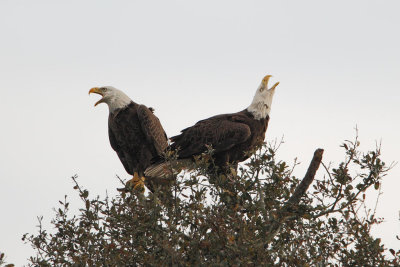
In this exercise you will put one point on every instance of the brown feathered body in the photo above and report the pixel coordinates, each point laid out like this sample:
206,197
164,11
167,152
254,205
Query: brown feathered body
231,136
137,136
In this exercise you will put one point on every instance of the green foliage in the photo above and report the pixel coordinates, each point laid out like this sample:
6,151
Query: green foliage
228,222
3,262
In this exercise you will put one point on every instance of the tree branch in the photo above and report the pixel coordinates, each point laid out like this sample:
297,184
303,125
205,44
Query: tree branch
308,178
294,200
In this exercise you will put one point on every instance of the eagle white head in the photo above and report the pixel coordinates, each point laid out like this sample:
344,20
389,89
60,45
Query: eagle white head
261,105
114,98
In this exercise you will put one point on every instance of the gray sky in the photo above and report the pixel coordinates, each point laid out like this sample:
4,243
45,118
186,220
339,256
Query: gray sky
338,63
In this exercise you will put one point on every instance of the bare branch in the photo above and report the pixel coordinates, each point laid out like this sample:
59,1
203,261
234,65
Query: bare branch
308,178
296,197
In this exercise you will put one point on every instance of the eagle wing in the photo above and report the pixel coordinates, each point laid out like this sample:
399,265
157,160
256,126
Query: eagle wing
120,153
152,129
221,132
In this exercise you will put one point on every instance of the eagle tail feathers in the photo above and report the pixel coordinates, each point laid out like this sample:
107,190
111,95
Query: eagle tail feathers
166,169
162,170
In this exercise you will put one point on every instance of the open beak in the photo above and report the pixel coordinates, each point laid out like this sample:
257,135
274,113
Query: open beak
265,83
96,90
274,86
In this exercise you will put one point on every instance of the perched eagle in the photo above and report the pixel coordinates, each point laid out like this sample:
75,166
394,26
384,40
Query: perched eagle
135,133
232,136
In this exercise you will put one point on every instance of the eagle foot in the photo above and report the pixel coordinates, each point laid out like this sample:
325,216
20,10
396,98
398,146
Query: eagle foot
136,183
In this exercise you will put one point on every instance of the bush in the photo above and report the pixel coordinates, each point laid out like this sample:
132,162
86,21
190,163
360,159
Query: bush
260,215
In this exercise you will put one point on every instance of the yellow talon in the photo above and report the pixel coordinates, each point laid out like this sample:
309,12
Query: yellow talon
136,182
139,185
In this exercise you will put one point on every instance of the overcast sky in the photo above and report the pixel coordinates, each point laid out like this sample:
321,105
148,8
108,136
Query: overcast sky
338,63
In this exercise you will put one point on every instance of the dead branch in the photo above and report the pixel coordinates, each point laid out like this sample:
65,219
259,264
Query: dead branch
294,200
308,178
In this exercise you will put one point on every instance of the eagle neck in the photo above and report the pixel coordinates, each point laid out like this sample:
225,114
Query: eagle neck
260,107
250,114
259,110
115,112
119,103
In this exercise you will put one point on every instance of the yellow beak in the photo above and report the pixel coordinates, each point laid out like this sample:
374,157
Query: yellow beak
265,82
96,90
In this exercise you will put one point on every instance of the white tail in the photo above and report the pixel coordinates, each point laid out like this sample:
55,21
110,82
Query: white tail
161,170
165,169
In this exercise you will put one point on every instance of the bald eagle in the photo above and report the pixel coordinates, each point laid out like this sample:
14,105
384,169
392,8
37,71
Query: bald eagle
231,136
135,133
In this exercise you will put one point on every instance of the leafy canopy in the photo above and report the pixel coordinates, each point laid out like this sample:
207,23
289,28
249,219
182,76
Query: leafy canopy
245,218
